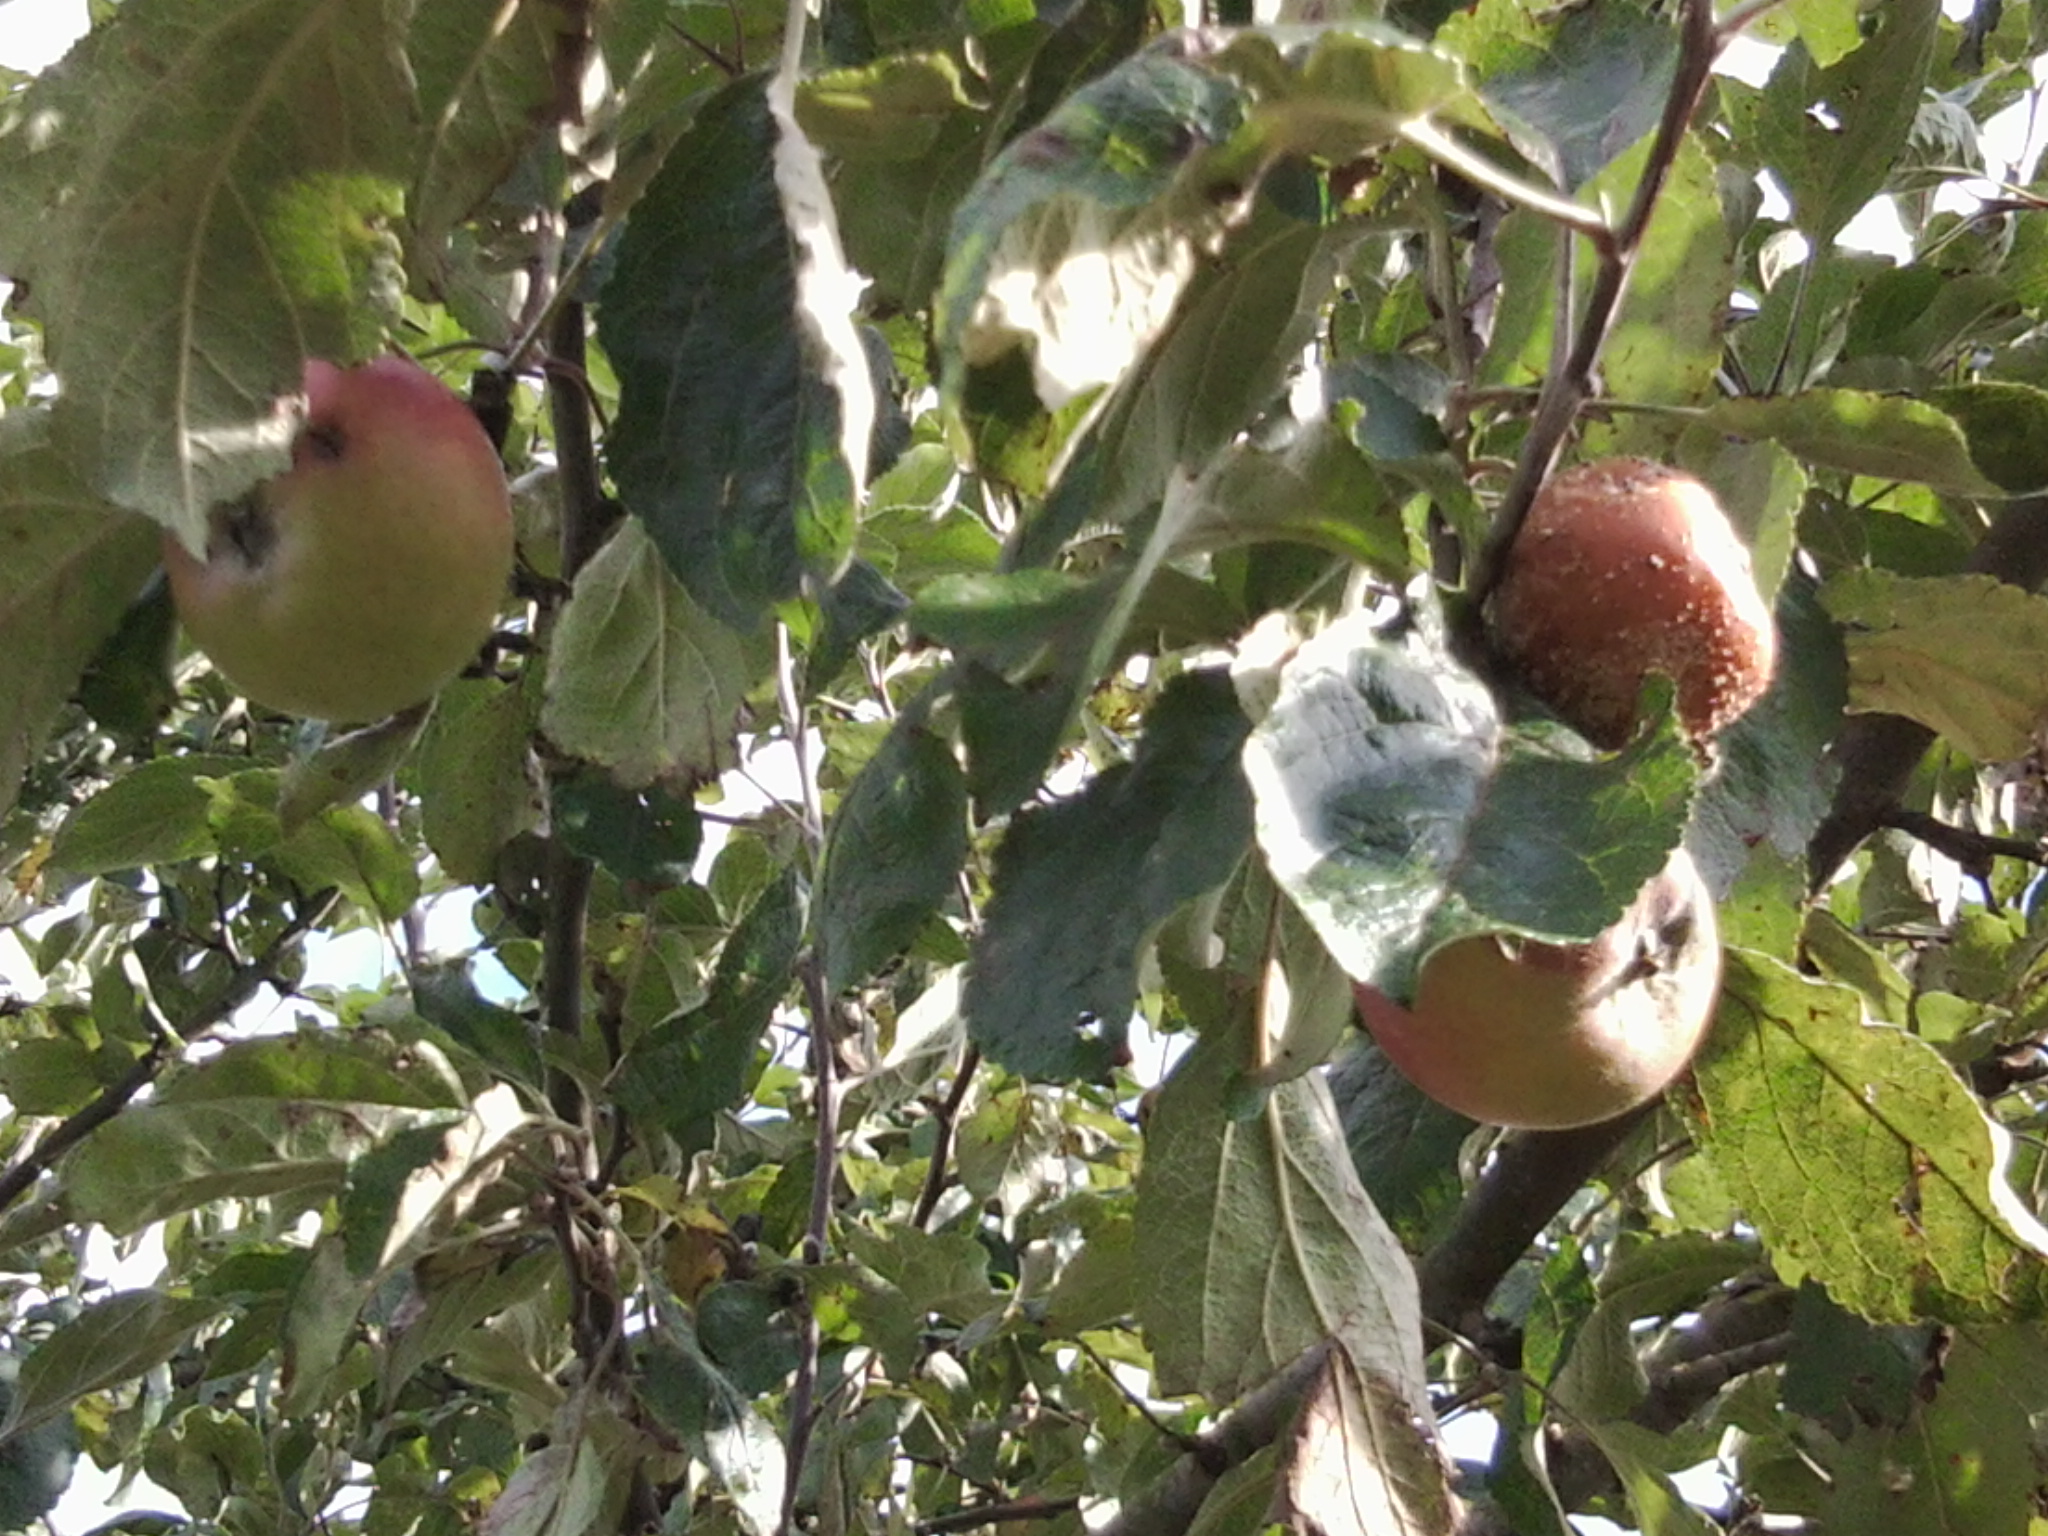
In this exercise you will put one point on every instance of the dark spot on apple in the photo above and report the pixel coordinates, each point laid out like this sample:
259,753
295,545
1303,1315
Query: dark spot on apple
241,530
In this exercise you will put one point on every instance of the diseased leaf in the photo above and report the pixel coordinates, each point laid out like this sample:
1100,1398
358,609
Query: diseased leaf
1863,1160
1359,1462
1833,164
1966,656
1884,436
1962,1462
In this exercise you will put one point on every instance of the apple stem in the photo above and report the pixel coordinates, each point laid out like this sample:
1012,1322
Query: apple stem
1568,386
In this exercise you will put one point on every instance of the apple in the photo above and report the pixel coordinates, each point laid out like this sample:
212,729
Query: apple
1626,567
1539,1036
368,574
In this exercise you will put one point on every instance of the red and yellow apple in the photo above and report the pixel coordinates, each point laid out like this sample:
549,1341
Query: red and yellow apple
1520,1033
367,575
1626,567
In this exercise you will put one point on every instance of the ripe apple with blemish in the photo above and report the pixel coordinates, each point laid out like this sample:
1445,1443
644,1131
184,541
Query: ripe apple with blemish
366,576
1623,568
1539,1036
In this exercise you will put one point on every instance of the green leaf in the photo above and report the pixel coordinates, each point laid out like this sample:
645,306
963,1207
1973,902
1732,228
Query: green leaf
641,677
319,1323
1398,812
49,1075
1257,1241
327,1065
1844,1370
1006,616
722,1428
893,109
159,812
343,769
154,1160
744,404
1966,656
2007,428
476,775
1865,1163
114,1340
488,90
36,1467
1596,88
73,566
1086,189
1668,337
1316,489
1885,436
449,1000
1776,781
1403,1143
648,835
1011,1149
896,846
219,180
1078,885
1602,1378
1223,357
1830,166
896,208
681,1073
1659,1508
352,849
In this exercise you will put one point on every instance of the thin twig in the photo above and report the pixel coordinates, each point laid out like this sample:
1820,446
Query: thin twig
943,1122
824,1173
1446,151
1973,850
1029,1507
1567,388
1168,1507
1874,755
242,985
1188,1444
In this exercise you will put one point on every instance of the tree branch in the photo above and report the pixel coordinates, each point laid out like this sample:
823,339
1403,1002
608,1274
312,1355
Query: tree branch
1169,1506
584,520
1875,755
1531,1176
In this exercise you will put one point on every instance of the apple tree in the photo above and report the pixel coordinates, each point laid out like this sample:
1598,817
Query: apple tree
842,1018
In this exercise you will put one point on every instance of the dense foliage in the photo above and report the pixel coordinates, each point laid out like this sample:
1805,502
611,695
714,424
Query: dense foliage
1007,492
